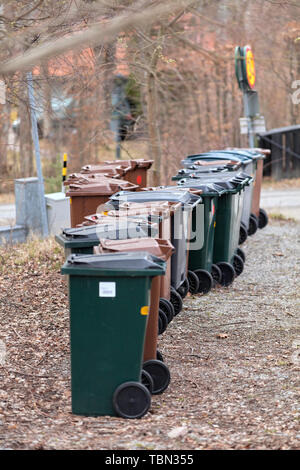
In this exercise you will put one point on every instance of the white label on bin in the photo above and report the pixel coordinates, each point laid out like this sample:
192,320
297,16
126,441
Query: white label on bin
107,289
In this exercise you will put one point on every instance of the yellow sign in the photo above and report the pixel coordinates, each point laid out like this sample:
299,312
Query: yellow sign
250,67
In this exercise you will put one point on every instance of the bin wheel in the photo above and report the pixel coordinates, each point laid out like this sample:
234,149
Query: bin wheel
162,322
131,400
147,380
243,234
176,301
205,281
159,373
253,224
228,273
183,289
241,253
238,265
216,273
263,218
159,356
167,307
193,282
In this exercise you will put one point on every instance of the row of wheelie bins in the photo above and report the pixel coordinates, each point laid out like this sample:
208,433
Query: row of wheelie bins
133,253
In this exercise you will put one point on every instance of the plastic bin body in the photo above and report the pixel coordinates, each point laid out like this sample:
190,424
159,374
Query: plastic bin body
257,188
226,240
161,249
86,198
202,257
108,318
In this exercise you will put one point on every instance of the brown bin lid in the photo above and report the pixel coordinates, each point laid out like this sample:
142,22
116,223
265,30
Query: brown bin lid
156,246
256,149
160,207
101,186
82,178
214,162
98,219
105,168
130,164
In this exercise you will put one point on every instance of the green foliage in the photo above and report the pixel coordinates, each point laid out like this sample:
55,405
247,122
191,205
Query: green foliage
133,94
53,182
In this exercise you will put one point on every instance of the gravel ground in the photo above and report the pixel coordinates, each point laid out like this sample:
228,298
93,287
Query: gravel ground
232,354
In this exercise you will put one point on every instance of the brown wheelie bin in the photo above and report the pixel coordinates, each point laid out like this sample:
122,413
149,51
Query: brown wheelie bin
134,171
86,198
159,373
256,209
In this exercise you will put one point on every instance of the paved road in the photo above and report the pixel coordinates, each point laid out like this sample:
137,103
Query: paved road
285,202
7,214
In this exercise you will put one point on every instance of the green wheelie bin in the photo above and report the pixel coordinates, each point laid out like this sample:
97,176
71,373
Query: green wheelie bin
202,250
228,220
109,303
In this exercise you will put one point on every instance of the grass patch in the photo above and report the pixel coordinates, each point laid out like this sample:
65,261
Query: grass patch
36,255
278,216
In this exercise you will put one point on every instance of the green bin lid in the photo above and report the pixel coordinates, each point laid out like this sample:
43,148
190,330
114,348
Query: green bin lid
231,181
89,235
139,263
166,193
208,189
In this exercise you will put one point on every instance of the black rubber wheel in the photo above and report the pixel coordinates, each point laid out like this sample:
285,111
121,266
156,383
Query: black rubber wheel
131,400
228,273
253,225
243,234
159,373
216,274
183,289
176,301
162,322
193,282
241,254
167,307
263,218
159,356
206,281
147,380
238,265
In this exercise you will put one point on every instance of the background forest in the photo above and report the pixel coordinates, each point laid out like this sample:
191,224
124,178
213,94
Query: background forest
181,83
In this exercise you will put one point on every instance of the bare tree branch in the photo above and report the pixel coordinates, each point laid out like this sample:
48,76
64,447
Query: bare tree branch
99,34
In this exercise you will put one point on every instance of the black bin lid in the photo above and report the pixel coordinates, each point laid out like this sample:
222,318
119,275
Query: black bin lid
124,264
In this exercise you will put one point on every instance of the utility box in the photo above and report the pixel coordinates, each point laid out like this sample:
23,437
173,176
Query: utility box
58,212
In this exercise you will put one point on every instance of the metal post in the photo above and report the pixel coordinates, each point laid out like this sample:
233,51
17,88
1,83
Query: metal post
251,108
35,138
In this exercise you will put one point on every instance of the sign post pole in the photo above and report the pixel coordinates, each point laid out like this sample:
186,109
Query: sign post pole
35,137
246,77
